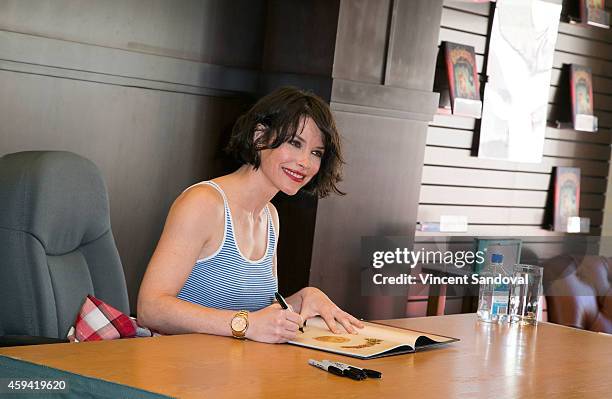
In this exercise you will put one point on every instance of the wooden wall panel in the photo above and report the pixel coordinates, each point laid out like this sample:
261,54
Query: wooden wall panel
585,32
361,41
505,230
436,194
497,214
149,145
602,100
502,179
502,198
379,201
455,138
467,22
146,89
477,8
578,45
291,51
602,136
479,42
209,31
383,100
463,158
411,50
602,88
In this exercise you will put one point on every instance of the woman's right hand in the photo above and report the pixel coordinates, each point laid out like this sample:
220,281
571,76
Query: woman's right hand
273,325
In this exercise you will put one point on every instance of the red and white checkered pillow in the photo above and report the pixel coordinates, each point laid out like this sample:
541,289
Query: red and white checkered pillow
99,321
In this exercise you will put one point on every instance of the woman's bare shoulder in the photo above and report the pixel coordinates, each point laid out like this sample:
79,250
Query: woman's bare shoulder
199,203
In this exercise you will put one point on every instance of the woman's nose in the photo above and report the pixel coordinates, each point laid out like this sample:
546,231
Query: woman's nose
304,160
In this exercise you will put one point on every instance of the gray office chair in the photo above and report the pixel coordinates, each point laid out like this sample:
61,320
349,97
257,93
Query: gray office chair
56,245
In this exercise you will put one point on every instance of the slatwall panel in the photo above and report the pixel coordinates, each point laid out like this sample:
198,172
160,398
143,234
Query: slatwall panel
502,198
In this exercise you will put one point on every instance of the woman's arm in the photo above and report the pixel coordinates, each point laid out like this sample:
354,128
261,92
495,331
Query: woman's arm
193,224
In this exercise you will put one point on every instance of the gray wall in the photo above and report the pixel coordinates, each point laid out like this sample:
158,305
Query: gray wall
143,88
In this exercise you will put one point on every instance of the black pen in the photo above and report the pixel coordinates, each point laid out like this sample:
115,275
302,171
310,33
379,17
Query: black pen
347,371
284,305
329,369
343,366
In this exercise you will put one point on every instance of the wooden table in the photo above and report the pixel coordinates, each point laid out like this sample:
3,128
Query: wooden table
498,361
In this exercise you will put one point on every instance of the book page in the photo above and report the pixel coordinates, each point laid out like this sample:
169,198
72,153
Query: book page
373,339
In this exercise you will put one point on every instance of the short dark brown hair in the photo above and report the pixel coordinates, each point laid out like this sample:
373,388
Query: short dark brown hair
282,114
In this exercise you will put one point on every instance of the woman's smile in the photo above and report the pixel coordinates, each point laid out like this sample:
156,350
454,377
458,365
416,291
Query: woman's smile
294,175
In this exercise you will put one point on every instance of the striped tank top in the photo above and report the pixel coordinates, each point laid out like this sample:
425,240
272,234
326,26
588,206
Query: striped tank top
227,279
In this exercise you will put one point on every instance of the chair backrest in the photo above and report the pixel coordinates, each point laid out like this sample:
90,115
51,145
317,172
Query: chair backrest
56,244
578,292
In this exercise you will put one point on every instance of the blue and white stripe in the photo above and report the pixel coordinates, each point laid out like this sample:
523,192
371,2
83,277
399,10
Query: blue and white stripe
227,279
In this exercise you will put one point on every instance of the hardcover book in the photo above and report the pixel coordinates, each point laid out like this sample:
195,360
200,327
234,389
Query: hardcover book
373,341
581,90
462,76
593,12
567,196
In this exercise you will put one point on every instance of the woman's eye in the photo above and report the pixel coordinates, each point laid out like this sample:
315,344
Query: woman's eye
295,143
318,154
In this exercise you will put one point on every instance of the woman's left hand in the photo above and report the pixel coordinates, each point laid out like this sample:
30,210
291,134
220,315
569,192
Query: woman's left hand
316,303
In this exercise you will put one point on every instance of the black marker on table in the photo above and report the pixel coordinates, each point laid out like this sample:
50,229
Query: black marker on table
284,305
347,371
328,368
343,366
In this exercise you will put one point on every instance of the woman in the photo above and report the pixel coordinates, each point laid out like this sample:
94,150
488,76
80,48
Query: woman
214,268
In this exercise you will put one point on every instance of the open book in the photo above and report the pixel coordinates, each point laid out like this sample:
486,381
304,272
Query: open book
372,341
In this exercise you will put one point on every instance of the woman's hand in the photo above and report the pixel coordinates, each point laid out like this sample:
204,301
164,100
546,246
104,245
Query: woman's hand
273,325
315,302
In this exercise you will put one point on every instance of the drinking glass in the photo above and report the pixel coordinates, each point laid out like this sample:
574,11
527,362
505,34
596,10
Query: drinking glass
525,294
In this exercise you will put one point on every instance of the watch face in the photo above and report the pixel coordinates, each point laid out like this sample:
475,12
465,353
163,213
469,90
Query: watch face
239,323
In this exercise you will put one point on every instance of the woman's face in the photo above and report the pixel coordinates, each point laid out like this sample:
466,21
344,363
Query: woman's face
294,163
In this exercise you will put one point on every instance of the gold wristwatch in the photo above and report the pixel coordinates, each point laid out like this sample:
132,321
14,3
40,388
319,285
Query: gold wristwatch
240,324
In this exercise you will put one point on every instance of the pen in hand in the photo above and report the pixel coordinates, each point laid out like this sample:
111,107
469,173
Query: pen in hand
284,305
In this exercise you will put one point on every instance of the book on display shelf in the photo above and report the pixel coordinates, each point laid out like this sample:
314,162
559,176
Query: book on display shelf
462,74
581,92
593,12
567,196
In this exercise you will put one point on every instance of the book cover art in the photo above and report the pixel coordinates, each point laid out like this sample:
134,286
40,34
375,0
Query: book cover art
581,86
593,12
581,90
567,196
374,340
462,71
